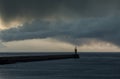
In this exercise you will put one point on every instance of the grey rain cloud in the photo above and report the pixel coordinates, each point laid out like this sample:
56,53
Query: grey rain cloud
105,29
97,19
12,9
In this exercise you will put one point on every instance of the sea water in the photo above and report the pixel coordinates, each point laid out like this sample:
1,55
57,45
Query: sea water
89,66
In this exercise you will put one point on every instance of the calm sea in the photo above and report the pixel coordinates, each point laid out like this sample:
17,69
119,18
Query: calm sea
89,66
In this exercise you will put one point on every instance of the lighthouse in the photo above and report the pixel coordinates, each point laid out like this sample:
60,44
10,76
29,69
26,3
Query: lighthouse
75,50
76,54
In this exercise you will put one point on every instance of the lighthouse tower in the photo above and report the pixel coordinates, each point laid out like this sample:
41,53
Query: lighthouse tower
75,50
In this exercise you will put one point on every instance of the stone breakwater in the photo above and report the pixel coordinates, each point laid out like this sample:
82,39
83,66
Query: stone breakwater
21,59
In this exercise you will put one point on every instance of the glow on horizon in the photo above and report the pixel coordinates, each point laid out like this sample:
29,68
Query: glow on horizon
52,45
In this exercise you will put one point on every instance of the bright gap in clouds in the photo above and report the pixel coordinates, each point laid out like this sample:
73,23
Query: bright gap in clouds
52,45
1,25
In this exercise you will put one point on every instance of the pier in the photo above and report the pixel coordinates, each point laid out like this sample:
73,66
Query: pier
21,59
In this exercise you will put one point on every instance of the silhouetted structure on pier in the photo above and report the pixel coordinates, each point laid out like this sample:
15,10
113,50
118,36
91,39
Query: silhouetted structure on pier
76,54
75,50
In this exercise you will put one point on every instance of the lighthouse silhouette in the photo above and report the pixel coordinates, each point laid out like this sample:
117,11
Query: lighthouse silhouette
75,50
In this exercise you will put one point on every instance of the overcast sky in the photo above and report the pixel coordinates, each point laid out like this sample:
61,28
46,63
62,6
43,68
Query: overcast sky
59,25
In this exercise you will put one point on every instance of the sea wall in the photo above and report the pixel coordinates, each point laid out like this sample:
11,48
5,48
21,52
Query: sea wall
20,59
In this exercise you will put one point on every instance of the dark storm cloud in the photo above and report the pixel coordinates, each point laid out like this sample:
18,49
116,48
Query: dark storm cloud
12,9
97,19
104,29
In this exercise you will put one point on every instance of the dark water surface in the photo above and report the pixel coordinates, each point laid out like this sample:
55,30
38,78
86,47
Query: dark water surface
89,66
